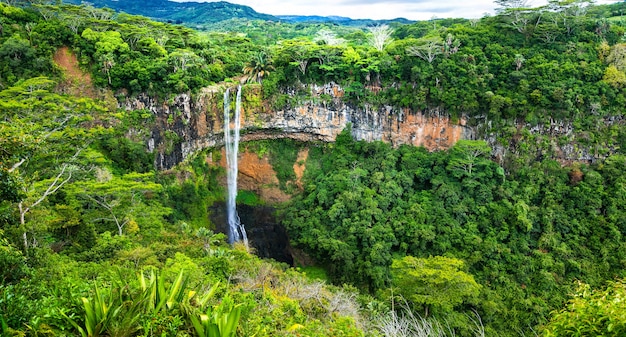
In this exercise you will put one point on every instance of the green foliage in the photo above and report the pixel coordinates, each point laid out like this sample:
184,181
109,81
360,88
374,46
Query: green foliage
127,156
12,262
248,198
614,77
128,202
466,154
522,234
157,296
438,282
191,198
589,312
258,67
314,273
99,313
9,186
106,247
221,321
117,311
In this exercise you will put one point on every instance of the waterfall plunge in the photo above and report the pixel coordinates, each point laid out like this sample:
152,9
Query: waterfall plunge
236,230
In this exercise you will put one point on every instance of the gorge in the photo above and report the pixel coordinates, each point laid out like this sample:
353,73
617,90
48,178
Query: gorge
470,168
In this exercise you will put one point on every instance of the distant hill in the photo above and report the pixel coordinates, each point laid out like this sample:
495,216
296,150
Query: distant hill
313,18
341,20
181,12
198,13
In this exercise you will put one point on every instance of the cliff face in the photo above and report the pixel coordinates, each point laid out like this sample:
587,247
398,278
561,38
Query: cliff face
185,125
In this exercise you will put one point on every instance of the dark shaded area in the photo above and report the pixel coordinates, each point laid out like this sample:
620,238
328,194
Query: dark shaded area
267,237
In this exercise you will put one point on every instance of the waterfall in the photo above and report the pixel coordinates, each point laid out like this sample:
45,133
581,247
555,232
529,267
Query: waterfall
236,230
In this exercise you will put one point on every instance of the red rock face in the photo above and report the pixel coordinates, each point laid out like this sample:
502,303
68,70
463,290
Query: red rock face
257,175
431,132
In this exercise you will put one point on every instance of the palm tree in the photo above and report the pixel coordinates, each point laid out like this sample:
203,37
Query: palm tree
258,67
519,61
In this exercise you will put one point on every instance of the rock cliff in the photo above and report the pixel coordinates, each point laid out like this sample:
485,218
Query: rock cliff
185,125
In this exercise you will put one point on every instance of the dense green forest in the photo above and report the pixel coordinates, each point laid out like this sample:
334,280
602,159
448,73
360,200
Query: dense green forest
94,241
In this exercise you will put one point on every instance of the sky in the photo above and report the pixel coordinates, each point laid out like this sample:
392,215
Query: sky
379,9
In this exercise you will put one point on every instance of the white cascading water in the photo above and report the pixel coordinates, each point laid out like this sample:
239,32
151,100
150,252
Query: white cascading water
236,230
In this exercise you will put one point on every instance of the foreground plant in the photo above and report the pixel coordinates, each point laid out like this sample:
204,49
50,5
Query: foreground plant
405,323
591,312
157,297
98,313
221,321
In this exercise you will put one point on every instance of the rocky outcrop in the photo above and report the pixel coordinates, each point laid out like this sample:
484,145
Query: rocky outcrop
185,125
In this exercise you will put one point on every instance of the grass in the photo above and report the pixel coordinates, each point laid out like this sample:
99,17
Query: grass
314,273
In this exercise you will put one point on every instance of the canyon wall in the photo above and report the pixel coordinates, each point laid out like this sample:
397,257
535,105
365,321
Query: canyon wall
185,125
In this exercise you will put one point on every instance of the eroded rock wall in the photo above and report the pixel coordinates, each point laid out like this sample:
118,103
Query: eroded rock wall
185,125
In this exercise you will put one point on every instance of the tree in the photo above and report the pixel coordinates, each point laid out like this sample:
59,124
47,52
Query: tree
73,17
107,62
47,134
428,49
100,14
51,186
570,12
108,45
380,36
259,67
438,282
16,50
13,265
298,52
509,4
519,15
184,59
39,117
519,61
614,77
451,44
617,56
465,155
328,37
120,199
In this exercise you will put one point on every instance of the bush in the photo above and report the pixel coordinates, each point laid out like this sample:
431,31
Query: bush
600,312
12,262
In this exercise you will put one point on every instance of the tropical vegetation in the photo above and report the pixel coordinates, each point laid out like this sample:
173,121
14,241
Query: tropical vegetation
497,235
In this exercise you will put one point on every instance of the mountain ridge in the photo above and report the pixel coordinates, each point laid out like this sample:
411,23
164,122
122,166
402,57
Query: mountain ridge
338,20
197,13
182,12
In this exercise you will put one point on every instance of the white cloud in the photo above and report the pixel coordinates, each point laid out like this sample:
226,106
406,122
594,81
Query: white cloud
379,9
